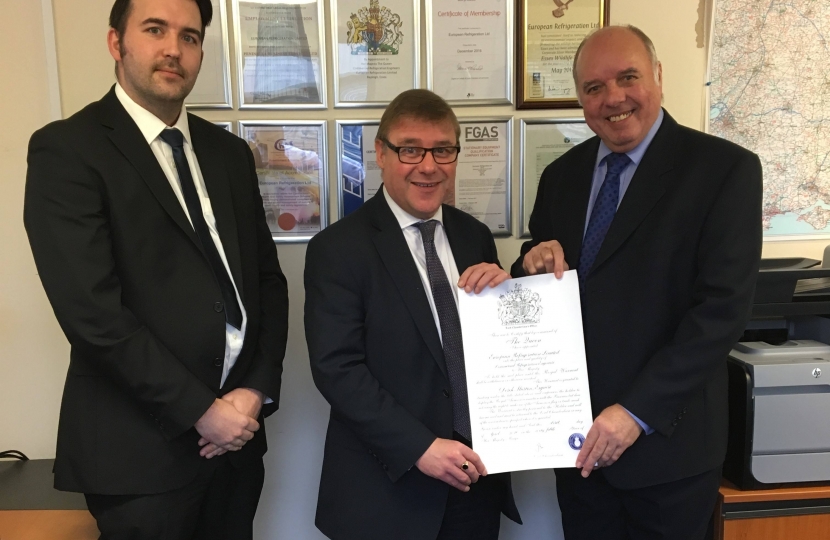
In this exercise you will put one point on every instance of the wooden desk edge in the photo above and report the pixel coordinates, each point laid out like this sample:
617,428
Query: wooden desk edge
730,494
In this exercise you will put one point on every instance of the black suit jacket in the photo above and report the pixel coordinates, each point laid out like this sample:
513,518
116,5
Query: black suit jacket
135,296
377,358
669,294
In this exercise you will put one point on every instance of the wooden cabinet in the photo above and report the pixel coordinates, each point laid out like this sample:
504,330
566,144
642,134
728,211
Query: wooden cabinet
799,513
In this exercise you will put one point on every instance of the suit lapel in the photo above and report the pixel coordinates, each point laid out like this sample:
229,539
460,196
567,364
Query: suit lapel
462,251
646,189
128,139
396,257
217,184
576,195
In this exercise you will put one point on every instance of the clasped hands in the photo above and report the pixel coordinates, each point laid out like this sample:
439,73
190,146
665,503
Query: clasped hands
444,460
230,422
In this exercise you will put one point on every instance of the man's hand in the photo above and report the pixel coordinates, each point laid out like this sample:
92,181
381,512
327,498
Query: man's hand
443,460
479,276
545,258
225,427
245,400
614,430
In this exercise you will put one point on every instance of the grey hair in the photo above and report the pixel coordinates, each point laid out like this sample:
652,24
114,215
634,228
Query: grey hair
649,45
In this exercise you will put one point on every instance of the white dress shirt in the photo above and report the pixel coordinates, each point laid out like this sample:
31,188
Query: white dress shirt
151,127
409,225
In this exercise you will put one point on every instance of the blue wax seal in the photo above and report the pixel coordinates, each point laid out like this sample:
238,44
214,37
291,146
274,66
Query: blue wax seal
576,440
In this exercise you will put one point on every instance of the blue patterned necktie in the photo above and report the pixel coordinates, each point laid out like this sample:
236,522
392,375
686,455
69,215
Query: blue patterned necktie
233,314
605,207
450,330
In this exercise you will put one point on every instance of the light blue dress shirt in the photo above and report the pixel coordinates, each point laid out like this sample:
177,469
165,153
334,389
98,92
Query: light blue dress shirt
636,155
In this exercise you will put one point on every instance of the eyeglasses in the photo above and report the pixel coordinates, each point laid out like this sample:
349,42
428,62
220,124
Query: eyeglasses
413,155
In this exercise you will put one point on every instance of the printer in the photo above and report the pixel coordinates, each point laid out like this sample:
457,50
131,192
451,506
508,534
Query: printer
779,381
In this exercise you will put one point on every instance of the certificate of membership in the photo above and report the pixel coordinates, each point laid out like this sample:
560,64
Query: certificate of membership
530,406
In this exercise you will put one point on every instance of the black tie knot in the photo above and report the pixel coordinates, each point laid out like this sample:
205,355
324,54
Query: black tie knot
427,229
173,137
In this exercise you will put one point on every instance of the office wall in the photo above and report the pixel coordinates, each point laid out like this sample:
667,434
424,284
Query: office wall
34,354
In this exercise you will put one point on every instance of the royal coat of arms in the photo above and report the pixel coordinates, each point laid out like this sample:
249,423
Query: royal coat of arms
520,306
374,30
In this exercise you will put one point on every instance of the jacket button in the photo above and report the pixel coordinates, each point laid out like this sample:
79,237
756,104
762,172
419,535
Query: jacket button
446,393
218,362
674,423
218,307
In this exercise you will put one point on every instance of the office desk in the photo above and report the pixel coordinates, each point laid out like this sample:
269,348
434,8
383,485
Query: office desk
773,514
31,509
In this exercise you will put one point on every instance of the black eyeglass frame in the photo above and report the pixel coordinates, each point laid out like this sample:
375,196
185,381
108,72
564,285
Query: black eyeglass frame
397,150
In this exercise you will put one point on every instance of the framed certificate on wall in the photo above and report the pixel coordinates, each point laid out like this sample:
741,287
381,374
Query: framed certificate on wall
290,159
549,33
542,142
213,86
470,51
376,50
280,54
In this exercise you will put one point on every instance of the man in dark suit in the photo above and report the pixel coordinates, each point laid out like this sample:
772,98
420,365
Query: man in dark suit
663,225
384,340
148,232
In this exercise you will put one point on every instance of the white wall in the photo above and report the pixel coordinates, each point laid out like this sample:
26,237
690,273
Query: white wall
34,352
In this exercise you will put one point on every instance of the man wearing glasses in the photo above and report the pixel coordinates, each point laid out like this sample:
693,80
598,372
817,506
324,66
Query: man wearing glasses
384,340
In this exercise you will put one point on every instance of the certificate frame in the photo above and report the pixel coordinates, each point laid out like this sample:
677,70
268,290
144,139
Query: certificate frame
343,186
523,98
224,102
524,208
507,97
415,33
240,66
322,176
225,124
507,121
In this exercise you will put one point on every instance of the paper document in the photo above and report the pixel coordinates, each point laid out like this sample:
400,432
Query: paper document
527,380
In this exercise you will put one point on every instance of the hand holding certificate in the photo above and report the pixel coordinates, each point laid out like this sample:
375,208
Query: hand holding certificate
527,380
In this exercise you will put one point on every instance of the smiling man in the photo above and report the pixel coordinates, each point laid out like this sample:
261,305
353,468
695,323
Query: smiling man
149,236
384,340
663,225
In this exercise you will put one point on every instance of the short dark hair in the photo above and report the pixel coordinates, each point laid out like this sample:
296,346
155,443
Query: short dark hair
418,104
120,12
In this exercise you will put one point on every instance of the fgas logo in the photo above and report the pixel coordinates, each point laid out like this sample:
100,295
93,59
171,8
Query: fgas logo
481,133
282,143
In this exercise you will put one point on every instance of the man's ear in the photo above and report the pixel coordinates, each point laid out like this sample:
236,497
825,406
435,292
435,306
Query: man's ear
379,157
114,44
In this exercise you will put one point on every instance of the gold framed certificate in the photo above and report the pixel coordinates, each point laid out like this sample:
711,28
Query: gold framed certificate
549,33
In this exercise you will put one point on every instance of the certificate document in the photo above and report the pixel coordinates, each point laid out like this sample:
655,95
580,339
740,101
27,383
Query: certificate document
358,171
289,160
530,406
376,52
483,173
543,142
469,49
279,48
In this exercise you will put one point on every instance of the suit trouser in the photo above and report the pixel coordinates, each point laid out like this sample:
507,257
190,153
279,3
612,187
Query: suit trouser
592,508
220,503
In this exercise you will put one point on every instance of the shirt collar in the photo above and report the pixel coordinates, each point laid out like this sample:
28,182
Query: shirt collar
405,219
636,153
148,123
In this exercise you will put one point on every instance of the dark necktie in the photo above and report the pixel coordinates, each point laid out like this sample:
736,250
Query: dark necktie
605,207
450,330
233,315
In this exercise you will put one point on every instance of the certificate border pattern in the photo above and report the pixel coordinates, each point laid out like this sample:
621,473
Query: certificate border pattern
321,33
322,137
